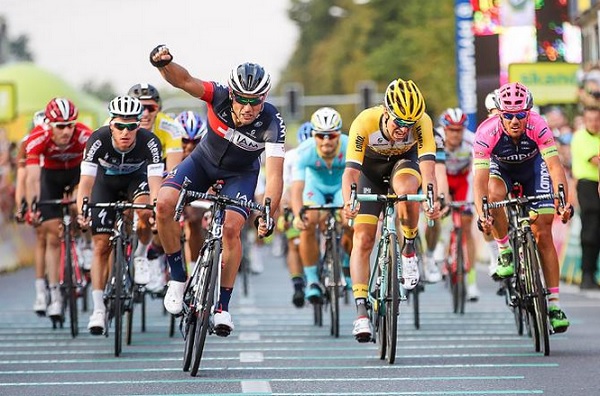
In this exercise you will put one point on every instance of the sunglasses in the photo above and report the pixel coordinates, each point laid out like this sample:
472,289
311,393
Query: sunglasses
403,124
130,126
186,141
520,115
245,100
63,125
329,136
150,108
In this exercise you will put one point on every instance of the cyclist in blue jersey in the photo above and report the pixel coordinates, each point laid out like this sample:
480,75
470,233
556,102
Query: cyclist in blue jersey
317,180
241,125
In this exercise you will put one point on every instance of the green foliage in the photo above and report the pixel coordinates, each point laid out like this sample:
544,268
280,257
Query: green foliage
381,41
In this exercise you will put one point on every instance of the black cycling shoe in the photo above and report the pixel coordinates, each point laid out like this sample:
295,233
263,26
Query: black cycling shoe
298,298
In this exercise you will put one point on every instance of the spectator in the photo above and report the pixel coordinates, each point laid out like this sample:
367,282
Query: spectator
584,149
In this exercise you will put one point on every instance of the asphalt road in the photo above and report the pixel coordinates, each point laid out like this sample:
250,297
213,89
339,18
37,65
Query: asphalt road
276,350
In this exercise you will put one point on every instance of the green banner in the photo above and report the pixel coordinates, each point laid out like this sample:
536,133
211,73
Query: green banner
8,102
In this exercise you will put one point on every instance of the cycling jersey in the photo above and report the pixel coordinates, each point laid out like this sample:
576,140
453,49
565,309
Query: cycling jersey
367,140
169,132
458,161
320,180
100,154
492,142
229,147
41,150
523,162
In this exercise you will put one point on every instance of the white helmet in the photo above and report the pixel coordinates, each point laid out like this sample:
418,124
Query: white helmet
250,79
326,119
490,102
126,107
39,117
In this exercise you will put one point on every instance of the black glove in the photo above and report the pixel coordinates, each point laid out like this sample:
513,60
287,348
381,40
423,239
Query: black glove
160,63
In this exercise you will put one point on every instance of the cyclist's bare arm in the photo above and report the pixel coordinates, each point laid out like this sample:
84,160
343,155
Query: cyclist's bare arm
154,183
177,75
558,176
349,177
86,182
296,196
33,182
173,159
428,175
274,180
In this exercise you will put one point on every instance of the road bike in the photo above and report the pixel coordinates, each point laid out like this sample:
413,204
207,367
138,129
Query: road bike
457,263
384,291
329,268
202,289
526,289
73,282
120,292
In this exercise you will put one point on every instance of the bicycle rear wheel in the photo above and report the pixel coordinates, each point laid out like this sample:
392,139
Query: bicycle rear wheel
207,286
69,288
392,300
539,311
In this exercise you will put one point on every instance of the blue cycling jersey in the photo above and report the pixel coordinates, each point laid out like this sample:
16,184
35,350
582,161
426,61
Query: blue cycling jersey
312,168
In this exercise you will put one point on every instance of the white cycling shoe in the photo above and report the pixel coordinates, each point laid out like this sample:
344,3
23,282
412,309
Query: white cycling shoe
362,329
410,272
141,270
432,272
223,324
96,323
173,301
40,304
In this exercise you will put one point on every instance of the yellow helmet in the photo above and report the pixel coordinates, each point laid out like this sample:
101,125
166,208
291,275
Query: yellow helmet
404,100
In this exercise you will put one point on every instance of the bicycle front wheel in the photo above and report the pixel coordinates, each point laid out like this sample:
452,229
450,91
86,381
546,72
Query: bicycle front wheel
118,264
537,292
333,286
393,299
459,291
207,288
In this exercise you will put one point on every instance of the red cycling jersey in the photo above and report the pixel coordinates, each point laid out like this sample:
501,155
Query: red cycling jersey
41,150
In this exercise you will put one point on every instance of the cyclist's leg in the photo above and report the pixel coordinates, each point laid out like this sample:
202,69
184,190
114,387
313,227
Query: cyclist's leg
463,191
309,247
169,231
406,179
41,294
138,193
499,179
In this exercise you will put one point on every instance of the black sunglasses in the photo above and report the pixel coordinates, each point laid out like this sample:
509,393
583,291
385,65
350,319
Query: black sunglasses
130,126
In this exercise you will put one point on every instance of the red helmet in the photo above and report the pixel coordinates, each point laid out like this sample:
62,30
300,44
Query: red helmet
513,97
61,110
454,117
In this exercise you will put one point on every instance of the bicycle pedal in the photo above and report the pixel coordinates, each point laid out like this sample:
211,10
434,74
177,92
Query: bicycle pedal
41,314
96,331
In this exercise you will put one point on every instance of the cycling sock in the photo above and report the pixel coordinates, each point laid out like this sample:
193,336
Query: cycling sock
493,246
409,233
225,297
311,274
360,290
553,299
98,300
54,292
472,276
40,285
361,307
140,250
409,247
176,265
298,282
503,243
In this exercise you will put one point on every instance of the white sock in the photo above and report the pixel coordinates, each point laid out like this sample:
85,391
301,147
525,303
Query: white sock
140,250
98,300
40,285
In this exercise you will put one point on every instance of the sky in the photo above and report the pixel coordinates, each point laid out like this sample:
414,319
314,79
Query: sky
110,40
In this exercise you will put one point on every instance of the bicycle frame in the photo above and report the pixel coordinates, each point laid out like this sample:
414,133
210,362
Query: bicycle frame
457,261
202,290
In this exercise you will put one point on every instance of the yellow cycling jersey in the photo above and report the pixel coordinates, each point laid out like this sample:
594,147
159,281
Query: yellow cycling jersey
169,132
367,140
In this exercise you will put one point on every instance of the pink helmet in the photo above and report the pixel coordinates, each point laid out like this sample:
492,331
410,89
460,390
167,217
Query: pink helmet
61,110
513,97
